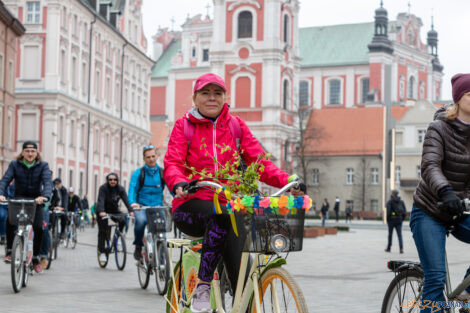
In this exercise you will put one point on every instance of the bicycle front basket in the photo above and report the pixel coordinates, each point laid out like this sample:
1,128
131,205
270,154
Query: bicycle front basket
272,233
14,209
158,220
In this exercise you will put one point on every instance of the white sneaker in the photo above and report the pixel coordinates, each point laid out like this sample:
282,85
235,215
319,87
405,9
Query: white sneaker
103,258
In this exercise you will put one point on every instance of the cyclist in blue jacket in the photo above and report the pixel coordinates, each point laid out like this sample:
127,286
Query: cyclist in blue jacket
146,189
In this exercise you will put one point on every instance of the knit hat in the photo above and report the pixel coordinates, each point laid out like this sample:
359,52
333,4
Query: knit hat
460,86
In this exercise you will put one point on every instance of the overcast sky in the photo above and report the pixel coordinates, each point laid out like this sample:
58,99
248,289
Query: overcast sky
451,20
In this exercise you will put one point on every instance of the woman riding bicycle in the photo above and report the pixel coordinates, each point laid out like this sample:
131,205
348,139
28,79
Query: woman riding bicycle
32,180
210,121
445,172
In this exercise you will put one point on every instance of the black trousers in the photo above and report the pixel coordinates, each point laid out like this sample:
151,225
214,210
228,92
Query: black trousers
397,225
103,232
37,228
196,218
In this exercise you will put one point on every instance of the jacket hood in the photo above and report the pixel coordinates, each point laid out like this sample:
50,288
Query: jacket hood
440,115
112,174
396,199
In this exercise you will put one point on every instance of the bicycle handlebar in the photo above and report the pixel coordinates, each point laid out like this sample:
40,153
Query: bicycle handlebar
195,185
25,201
145,207
465,203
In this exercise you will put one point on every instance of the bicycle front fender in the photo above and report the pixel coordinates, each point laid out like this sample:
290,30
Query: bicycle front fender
278,262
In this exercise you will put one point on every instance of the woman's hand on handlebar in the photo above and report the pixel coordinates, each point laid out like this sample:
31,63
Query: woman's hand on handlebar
40,200
3,199
102,214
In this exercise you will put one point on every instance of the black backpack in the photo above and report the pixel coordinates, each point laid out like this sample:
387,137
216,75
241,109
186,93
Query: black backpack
142,178
399,212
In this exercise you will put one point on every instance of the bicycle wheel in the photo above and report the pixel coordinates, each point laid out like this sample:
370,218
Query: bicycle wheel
50,251
226,291
120,251
17,263
175,302
161,261
73,236
100,263
405,288
26,274
279,288
55,240
143,268
67,240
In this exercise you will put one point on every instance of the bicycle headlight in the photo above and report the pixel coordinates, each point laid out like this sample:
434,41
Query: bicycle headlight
279,243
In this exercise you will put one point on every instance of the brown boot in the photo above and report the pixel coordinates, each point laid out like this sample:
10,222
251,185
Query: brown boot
44,262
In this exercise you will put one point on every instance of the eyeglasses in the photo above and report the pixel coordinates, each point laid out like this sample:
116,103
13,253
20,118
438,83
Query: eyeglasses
112,179
149,147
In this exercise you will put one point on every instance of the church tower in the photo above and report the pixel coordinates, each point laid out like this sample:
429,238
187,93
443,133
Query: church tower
255,49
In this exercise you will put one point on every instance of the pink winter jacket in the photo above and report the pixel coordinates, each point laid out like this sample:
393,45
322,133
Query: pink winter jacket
214,133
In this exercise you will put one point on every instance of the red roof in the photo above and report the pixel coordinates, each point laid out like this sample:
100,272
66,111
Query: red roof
347,131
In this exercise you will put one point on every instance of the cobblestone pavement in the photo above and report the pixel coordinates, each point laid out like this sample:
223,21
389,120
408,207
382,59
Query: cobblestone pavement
338,273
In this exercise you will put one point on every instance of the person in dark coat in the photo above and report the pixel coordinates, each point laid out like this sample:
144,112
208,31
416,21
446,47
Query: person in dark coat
59,201
86,207
32,180
324,211
445,181
396,213
109,195
336,208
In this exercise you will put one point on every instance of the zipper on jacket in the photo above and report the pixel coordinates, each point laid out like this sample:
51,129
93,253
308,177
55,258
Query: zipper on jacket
216,166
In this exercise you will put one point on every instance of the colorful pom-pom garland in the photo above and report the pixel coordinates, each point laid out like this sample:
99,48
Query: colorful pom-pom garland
282,205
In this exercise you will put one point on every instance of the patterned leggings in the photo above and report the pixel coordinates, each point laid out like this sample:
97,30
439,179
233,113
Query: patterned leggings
195,218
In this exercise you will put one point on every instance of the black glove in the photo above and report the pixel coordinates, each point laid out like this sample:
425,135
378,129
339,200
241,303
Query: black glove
182,184
451,202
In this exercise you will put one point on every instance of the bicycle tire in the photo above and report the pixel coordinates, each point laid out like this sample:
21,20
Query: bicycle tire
394,288
102,264
292,300
226,292
120,251
25,276
17,263
50,251
73,236
55,237
67,236
174,298
162,269
143,268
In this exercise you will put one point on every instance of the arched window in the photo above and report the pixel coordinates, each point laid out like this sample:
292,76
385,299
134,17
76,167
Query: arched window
285,95
245,24
286,29
411,83
335,91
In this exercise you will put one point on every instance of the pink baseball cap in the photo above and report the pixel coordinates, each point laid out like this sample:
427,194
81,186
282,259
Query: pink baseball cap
207,79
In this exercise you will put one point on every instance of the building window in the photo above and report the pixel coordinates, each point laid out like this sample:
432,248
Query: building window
205,55
286,30
286,151
70,178
374,176
95,183
72,133
285,95
399,138
374,205
31,67
82,136
59,172
11,79
193,52
402,88
316,176
334,91
28,128
63,66
32,12
97,140
411,83
418,171
80,187
1,70
350,203
364,89
422,85
74,72
349,176
64,17
97,87
421,134
61,129
245,24
303,93
108,90
84,78
397,175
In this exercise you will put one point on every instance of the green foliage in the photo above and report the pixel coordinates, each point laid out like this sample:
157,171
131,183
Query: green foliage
231,174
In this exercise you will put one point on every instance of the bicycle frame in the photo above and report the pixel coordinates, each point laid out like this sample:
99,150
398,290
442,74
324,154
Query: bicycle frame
242,295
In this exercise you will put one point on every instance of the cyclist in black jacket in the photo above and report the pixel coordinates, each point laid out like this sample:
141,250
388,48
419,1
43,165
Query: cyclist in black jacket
32,180
59,202
108,202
